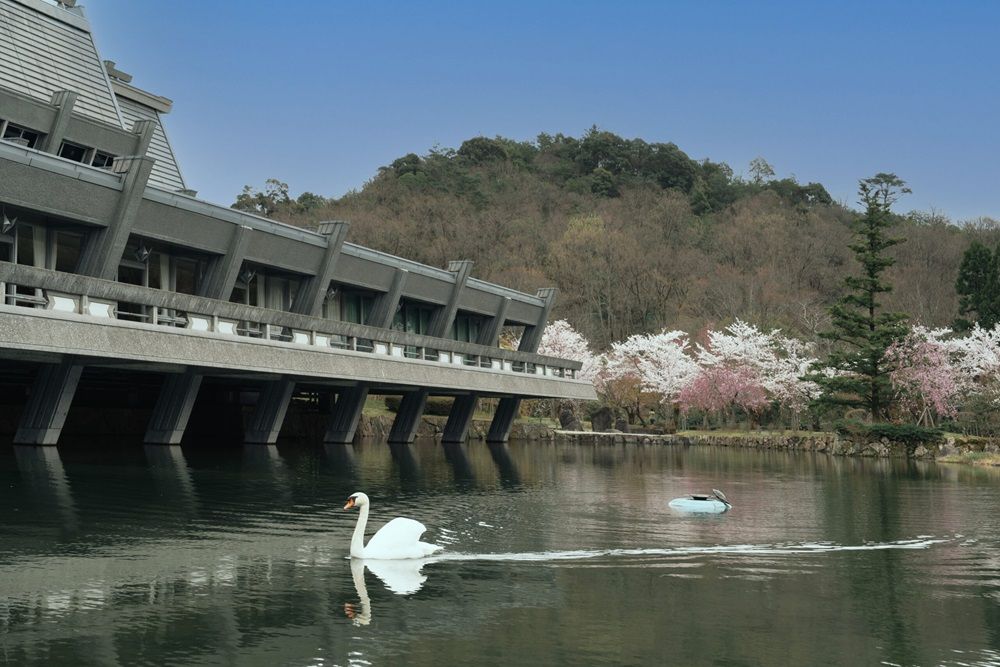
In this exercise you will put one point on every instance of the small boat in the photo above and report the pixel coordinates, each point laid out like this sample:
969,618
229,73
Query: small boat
713,503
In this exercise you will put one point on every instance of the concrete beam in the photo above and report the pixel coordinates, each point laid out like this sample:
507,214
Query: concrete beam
173,409
509,406
269,414
225,269
311,296
346,414
63,101
51,396
104,248
411,407
272,403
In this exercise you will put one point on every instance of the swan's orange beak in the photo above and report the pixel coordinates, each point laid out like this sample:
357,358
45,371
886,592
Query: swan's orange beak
350,504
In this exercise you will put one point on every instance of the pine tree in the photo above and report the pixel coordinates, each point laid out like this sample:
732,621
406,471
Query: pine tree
978,286
861,330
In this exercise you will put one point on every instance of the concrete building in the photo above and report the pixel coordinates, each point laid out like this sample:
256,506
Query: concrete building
112,270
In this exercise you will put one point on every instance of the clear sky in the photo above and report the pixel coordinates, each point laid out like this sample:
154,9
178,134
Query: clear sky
320,94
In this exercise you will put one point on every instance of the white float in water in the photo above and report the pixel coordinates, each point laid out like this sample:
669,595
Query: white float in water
714,503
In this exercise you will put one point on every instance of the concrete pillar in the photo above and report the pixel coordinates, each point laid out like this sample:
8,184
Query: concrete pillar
173,408
346,414
508,406
456,430
104,248
462,410
48,405
179,392
224,270
63,101
275,397
311,296
411,408
269,414
54,387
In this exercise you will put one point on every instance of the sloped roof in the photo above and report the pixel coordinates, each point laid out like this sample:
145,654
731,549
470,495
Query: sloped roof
44,48
165,173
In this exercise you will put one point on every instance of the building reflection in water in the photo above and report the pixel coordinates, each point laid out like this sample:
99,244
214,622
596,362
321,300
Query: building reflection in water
461,468
42,470
509,475
410,476
172,475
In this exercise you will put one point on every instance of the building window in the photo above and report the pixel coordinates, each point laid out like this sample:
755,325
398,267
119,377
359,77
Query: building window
357,307
73,152
20,135
466,328
413,318
102,160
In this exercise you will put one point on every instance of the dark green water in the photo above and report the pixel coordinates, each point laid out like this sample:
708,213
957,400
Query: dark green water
555,555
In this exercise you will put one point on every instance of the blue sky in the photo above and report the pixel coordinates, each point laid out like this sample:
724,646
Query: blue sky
320,94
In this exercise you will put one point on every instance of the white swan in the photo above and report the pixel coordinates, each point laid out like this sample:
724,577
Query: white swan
400,538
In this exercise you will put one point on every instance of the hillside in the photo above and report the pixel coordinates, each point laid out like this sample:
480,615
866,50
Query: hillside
637,236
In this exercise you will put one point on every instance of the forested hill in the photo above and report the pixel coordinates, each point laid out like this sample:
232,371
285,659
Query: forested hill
637,236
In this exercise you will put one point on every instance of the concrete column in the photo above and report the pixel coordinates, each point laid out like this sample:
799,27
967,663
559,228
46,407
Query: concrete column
224,270
173,408
54,387
179,392
508,407
311,296
275,397
411,408
104,248
48,405
346,414
63,101
456,430
269,414
462,410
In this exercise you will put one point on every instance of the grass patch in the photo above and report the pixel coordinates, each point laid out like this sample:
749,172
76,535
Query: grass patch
974,458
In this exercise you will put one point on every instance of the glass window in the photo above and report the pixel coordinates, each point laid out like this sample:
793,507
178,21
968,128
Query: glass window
187,275
68,246
25,245
21,135
102,160
72,152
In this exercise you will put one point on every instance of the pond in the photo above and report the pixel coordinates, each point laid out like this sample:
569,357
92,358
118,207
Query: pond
555,554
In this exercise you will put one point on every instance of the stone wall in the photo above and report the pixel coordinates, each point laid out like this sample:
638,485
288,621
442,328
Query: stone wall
822,442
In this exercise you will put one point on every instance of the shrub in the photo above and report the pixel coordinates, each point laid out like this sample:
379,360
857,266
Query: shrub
436,405
909,434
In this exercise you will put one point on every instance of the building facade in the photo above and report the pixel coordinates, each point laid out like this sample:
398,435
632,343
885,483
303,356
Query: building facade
111,269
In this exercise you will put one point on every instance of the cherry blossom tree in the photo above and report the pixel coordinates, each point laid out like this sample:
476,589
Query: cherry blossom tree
655,364
560,339
759,364
926,377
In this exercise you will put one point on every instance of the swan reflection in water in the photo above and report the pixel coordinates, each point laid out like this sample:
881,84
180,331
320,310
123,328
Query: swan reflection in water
402,577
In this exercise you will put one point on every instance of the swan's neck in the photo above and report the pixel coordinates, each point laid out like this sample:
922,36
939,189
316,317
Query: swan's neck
358,539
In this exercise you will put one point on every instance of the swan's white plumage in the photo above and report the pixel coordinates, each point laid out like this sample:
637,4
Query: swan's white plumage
398,539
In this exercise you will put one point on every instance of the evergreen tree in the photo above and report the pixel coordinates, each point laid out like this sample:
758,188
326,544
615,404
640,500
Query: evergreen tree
862,332
978,286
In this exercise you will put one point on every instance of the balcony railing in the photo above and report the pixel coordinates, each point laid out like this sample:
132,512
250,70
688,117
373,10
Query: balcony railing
36,288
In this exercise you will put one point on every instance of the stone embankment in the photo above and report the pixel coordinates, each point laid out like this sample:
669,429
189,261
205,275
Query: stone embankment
821,442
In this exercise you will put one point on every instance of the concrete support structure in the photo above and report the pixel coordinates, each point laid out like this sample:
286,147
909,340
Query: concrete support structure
411,408
63,101
51,395
346,414
272,403
54,387
509,406
269,413
173,407
456,429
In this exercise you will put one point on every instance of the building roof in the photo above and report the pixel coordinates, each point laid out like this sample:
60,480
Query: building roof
45,48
